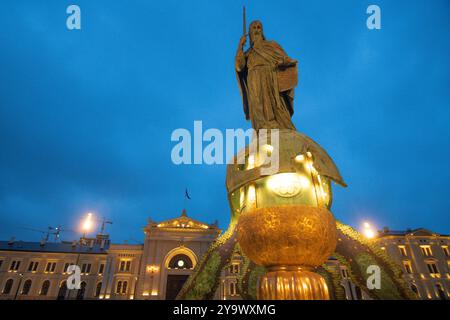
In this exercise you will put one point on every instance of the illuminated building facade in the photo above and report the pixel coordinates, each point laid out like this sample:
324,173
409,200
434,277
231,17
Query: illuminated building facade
159,267
424,257
38,270
156,269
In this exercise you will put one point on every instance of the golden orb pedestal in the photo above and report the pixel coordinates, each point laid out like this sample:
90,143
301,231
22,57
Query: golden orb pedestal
290,240
292,283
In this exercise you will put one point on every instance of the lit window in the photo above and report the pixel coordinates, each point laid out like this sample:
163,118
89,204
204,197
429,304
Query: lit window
51,266
415,290
32,267
98,289
44,288
407,265
232,288
81,291
426,251
432,268
62,291
66,266
344,273
402,250
446,252
26,287
14,266
125,265
180,261
234,268
85,268
121,287
8,286
441,292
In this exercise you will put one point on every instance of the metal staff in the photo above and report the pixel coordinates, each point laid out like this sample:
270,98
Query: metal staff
244,21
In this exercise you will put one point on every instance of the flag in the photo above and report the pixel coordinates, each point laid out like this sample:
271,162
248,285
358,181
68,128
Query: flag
186,194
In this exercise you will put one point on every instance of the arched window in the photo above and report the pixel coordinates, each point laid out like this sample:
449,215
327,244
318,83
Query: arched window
45,287
8,286
98,289
180,261
415,290
348,293
121,287
81,291
441,292
26,287
233,290
62,291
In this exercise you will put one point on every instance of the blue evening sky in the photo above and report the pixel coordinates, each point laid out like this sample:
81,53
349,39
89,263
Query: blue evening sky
86,116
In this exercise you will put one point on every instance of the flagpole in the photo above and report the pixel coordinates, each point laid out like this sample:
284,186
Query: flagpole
186,197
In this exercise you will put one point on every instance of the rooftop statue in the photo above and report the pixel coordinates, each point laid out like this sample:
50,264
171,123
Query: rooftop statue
267,77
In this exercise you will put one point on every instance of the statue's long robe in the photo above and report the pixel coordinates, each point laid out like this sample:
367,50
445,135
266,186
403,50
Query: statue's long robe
264,105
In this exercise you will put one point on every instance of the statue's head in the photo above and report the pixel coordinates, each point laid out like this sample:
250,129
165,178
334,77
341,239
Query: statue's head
256,32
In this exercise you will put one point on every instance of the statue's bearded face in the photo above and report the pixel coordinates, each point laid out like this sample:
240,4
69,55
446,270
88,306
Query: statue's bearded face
256,32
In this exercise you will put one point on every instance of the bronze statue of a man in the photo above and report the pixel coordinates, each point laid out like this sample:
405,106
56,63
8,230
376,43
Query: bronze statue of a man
267,77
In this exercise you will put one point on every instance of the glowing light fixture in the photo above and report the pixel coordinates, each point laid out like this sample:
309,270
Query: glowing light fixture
268,148
288,184
241,197
300,158
87,223
368,232
251,194
152,269
251,162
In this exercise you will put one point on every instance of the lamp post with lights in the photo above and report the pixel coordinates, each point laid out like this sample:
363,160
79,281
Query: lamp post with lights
368,231
86,227
87,224
18,286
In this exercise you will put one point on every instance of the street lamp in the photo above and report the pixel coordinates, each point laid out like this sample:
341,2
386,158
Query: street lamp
368,231
18,286
87,224
86,227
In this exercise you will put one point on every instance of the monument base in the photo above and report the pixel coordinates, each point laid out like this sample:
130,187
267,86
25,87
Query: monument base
292,283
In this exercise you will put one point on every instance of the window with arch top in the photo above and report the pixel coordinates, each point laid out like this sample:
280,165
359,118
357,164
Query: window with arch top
45,287
8,286
180,261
